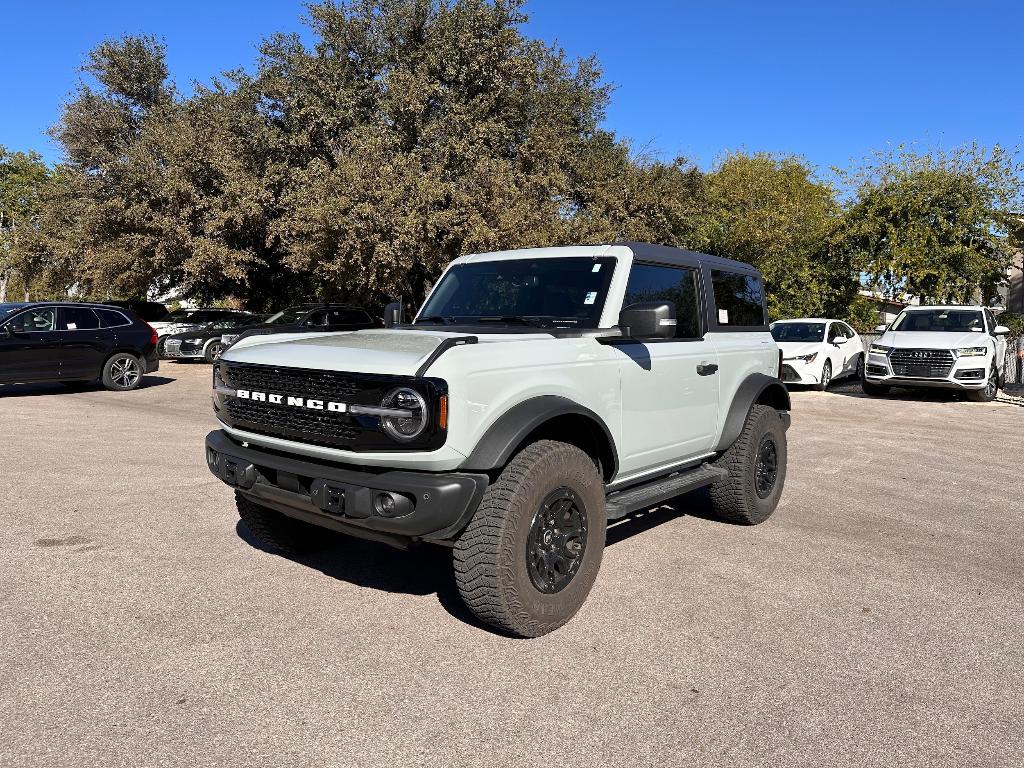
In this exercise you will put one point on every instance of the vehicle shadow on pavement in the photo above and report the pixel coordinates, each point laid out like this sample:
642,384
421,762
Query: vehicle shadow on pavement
427,569
421,570
49,389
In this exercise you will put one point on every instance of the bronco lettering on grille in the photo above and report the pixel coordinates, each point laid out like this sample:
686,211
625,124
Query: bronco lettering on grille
295,402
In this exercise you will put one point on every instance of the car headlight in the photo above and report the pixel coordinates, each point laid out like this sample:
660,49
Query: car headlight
972,351
193,341
804,358
881,349
404,427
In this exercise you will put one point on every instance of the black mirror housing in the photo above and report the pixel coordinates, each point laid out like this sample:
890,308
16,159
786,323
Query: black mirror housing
393,314
649,320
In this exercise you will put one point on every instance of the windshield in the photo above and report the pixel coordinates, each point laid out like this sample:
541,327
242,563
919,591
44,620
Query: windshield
548,292
287,316
6,309
798,331
956,320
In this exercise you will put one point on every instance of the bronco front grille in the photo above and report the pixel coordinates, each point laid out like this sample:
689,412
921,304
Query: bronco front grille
313,426
921,363
322,425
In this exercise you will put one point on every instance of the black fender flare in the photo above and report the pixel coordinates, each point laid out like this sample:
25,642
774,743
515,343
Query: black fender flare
756,388
508,432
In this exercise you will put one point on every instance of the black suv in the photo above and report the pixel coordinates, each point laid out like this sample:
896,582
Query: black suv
75,344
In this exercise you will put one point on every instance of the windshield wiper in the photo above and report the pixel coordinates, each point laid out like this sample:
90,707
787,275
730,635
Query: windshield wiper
521,319
436,319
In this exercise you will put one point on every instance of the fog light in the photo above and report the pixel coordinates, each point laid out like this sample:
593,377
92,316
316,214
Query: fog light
970,373
386,504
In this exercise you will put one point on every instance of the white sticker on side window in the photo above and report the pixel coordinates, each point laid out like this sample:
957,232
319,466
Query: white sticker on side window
723,317
597,268
72,326
591,298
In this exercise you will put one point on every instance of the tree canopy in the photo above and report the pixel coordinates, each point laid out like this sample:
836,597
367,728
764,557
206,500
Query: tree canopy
409,132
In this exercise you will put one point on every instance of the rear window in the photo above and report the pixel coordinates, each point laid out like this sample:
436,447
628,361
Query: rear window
739,299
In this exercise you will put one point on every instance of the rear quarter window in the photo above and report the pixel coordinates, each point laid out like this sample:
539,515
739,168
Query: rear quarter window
739,299
112,318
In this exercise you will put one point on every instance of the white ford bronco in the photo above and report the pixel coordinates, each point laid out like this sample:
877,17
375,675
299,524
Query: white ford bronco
950,347
537,395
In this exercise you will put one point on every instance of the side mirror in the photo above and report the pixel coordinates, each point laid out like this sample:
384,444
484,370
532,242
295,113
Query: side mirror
839,340
648,320
393,314
7,332
1001,330
880,328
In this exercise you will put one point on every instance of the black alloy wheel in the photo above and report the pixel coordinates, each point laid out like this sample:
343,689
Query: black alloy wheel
766,467
557,541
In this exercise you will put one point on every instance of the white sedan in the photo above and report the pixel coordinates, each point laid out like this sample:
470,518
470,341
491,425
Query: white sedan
816,350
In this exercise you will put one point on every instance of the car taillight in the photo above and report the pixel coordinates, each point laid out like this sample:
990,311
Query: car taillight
154,337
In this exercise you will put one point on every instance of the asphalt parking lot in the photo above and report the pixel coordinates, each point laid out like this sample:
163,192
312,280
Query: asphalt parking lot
875,620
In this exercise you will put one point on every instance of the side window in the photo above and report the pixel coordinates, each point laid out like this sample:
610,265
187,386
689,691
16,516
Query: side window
347,316
316,319
649,282
739,299
850,333
835,331
39,320
112,319
78,319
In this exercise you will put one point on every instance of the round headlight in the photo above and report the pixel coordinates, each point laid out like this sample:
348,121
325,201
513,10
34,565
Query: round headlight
405,428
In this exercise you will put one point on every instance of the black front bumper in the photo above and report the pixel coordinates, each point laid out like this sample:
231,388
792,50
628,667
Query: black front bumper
431,506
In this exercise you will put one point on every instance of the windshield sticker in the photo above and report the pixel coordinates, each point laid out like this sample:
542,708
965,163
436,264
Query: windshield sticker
72,326
723,317
591,298
597,268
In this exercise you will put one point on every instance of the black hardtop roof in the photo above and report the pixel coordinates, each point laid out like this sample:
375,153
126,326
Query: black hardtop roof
668,254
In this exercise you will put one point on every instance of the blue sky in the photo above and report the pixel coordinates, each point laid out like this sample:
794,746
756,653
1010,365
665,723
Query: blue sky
830,80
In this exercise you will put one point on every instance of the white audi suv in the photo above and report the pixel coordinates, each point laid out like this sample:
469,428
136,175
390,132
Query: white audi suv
952,347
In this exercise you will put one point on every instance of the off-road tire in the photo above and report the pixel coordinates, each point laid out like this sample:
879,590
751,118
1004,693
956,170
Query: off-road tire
822,385
213,351
490,557
277,531
988,394
875,390
736,498
112,376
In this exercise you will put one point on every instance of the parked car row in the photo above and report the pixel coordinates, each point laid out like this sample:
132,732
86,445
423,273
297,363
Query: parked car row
961,348
76,343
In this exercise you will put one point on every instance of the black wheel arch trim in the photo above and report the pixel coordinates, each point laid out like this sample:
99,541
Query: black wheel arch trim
757,388
514,426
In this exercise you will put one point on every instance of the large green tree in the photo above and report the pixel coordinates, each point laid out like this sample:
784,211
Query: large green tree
772,212
24,179
933,224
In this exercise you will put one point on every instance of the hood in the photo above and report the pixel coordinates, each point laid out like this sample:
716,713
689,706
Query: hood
167,328
383,351
933,339
796,348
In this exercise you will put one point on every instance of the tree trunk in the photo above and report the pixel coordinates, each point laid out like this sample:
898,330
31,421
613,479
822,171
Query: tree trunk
4,278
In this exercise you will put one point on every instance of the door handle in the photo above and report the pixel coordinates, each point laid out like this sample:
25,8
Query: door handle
706,369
